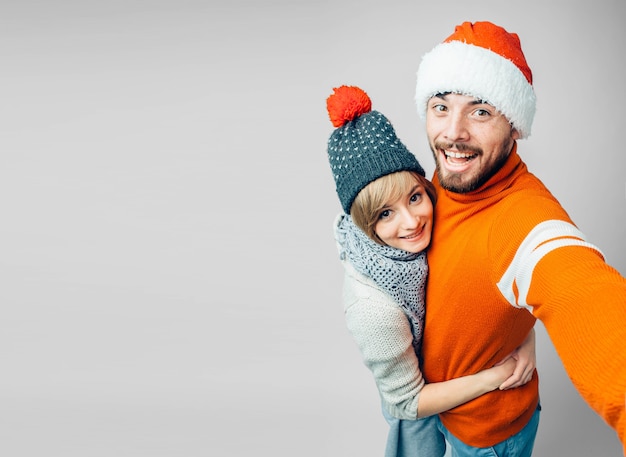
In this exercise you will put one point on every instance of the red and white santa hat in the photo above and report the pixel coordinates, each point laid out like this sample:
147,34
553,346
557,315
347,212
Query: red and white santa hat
485,61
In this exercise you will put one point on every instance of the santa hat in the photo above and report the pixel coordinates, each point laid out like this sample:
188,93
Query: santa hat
364,146
485,61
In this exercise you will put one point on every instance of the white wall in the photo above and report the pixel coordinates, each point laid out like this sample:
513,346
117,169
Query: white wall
169,281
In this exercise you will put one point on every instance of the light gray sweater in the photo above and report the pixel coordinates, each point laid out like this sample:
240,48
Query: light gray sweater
383,335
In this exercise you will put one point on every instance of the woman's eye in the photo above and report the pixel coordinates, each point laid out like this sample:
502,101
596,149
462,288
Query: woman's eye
416,197
384,214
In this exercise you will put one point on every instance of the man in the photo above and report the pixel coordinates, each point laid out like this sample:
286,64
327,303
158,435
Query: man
504,252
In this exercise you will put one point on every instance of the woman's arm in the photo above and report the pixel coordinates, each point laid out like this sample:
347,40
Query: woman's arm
441,396
516,370
384,338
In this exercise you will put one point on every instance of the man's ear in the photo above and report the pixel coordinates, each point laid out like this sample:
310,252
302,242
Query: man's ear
514,133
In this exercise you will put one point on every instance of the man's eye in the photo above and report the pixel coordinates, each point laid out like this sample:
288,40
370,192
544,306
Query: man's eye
482,112
440,108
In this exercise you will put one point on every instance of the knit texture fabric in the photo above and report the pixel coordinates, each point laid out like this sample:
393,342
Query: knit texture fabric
384,336
364,147
478,305
399,273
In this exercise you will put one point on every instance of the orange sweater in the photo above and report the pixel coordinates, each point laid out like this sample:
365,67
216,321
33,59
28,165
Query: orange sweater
498,253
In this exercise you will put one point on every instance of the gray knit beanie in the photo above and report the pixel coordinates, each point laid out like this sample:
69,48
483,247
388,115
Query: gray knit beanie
364,147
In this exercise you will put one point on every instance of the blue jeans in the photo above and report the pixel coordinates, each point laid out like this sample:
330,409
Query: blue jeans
519,445
414,438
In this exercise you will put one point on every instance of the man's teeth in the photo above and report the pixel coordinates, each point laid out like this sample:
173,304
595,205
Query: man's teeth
458,155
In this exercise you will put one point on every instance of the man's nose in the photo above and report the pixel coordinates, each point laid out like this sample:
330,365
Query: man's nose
456,128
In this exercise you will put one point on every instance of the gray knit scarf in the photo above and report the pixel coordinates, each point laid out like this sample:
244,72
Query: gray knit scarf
399,273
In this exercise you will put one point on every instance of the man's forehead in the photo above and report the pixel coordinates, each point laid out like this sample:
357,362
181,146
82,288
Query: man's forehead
471,99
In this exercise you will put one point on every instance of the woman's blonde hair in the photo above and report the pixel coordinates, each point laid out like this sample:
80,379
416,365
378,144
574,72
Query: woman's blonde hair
370,201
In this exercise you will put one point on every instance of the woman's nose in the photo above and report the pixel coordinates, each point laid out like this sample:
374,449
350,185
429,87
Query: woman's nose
409,219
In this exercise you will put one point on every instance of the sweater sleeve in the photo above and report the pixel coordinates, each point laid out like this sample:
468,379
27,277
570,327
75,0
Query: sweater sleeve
563,279
383,335
581,300
582,303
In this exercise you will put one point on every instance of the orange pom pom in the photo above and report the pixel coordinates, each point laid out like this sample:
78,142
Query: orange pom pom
346,104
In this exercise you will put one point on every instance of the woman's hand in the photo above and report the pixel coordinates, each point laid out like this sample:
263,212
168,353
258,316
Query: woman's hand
526,362
498,374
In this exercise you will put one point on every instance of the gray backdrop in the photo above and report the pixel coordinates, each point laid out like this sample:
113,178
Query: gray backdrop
169,281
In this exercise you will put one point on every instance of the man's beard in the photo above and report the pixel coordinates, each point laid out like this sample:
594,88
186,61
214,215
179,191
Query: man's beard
454,182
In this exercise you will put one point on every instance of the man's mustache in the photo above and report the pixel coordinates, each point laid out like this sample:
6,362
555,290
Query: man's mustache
461,147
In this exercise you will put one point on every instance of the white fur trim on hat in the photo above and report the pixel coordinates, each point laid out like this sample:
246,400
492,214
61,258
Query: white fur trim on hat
472,70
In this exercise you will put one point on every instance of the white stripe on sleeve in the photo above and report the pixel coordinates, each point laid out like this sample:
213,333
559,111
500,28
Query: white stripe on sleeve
541,240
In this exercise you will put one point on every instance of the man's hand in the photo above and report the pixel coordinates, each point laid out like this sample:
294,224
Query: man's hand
526,362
